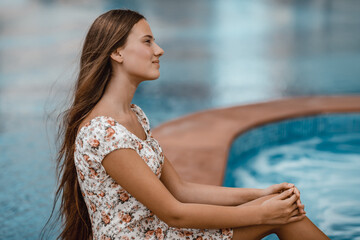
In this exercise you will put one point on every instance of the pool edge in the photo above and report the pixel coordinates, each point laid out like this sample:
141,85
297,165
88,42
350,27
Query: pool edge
198,144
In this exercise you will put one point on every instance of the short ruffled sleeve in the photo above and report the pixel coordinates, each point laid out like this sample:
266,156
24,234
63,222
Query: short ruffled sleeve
104,136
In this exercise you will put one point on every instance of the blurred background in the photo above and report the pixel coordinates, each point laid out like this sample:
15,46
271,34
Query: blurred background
217,54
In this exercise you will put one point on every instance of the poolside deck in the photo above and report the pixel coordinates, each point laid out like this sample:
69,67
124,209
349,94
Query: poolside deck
198,144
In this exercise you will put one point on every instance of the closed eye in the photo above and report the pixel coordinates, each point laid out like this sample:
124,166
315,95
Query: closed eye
148,38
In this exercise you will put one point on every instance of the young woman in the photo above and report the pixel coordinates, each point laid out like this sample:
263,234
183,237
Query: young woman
116,182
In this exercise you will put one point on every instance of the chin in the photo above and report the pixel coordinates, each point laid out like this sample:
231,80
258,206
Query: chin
154,77
147,77
151,78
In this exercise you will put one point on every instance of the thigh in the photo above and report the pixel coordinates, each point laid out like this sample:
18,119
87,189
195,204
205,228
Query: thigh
253,232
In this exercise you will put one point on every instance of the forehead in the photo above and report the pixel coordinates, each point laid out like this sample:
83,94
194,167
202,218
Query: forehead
140,29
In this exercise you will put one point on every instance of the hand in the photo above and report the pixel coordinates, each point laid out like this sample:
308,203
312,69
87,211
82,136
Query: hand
301,206
279,188
281,208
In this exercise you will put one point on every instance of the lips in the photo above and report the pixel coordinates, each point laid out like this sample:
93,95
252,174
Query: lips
157,63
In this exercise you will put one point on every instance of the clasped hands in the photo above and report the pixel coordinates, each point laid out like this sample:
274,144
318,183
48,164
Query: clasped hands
285,204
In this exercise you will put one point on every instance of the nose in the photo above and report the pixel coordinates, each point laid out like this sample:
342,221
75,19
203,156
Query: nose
158,50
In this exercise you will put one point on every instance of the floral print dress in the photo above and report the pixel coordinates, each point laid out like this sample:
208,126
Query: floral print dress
114,213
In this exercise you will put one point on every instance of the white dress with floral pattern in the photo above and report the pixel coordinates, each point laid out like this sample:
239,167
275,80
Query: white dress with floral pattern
114,213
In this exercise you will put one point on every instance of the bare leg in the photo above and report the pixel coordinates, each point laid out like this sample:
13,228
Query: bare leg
301,230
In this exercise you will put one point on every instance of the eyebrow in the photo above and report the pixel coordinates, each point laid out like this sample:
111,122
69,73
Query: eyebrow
149,36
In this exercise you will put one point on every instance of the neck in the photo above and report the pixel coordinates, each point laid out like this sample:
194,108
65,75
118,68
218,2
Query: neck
120,92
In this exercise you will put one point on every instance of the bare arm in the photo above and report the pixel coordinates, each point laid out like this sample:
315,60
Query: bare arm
200,193
128,169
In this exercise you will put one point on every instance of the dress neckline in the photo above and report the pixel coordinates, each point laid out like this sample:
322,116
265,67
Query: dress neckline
132,106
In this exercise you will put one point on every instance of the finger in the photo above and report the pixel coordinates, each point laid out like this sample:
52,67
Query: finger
290,185
302,208
295,212
287,185
292,199
285,194
297,192
284,186
279,188
296,218
293,208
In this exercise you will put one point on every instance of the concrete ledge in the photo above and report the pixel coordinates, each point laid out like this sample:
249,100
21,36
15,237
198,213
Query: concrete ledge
198,144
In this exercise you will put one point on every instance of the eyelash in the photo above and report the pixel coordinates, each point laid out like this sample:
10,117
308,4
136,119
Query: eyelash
148,41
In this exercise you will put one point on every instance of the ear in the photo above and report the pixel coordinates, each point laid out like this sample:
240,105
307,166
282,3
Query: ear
116,56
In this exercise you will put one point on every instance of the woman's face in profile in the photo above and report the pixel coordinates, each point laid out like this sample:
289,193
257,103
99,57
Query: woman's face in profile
140,53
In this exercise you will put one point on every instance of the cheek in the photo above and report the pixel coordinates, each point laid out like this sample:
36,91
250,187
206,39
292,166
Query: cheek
140,54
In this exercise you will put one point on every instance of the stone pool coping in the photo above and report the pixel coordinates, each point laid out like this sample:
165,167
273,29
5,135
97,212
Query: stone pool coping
198,144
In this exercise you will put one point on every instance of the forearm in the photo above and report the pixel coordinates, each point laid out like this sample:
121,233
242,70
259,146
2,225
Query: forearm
216,195
275,209
210,216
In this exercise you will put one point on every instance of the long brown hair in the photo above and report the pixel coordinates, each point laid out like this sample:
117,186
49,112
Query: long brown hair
108,32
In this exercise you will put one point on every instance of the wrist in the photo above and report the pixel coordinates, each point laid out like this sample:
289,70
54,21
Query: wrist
255,193
262,214
262,192
252,215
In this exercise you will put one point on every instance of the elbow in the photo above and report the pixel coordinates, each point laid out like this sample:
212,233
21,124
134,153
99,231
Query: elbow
174,222
178,222
175,217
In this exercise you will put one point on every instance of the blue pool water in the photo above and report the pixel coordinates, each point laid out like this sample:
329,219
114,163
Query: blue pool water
320,154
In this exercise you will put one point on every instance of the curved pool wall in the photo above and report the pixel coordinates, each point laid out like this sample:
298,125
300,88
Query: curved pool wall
320,154
272,134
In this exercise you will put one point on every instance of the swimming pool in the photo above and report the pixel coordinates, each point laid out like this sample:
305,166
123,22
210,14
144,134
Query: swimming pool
320,154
